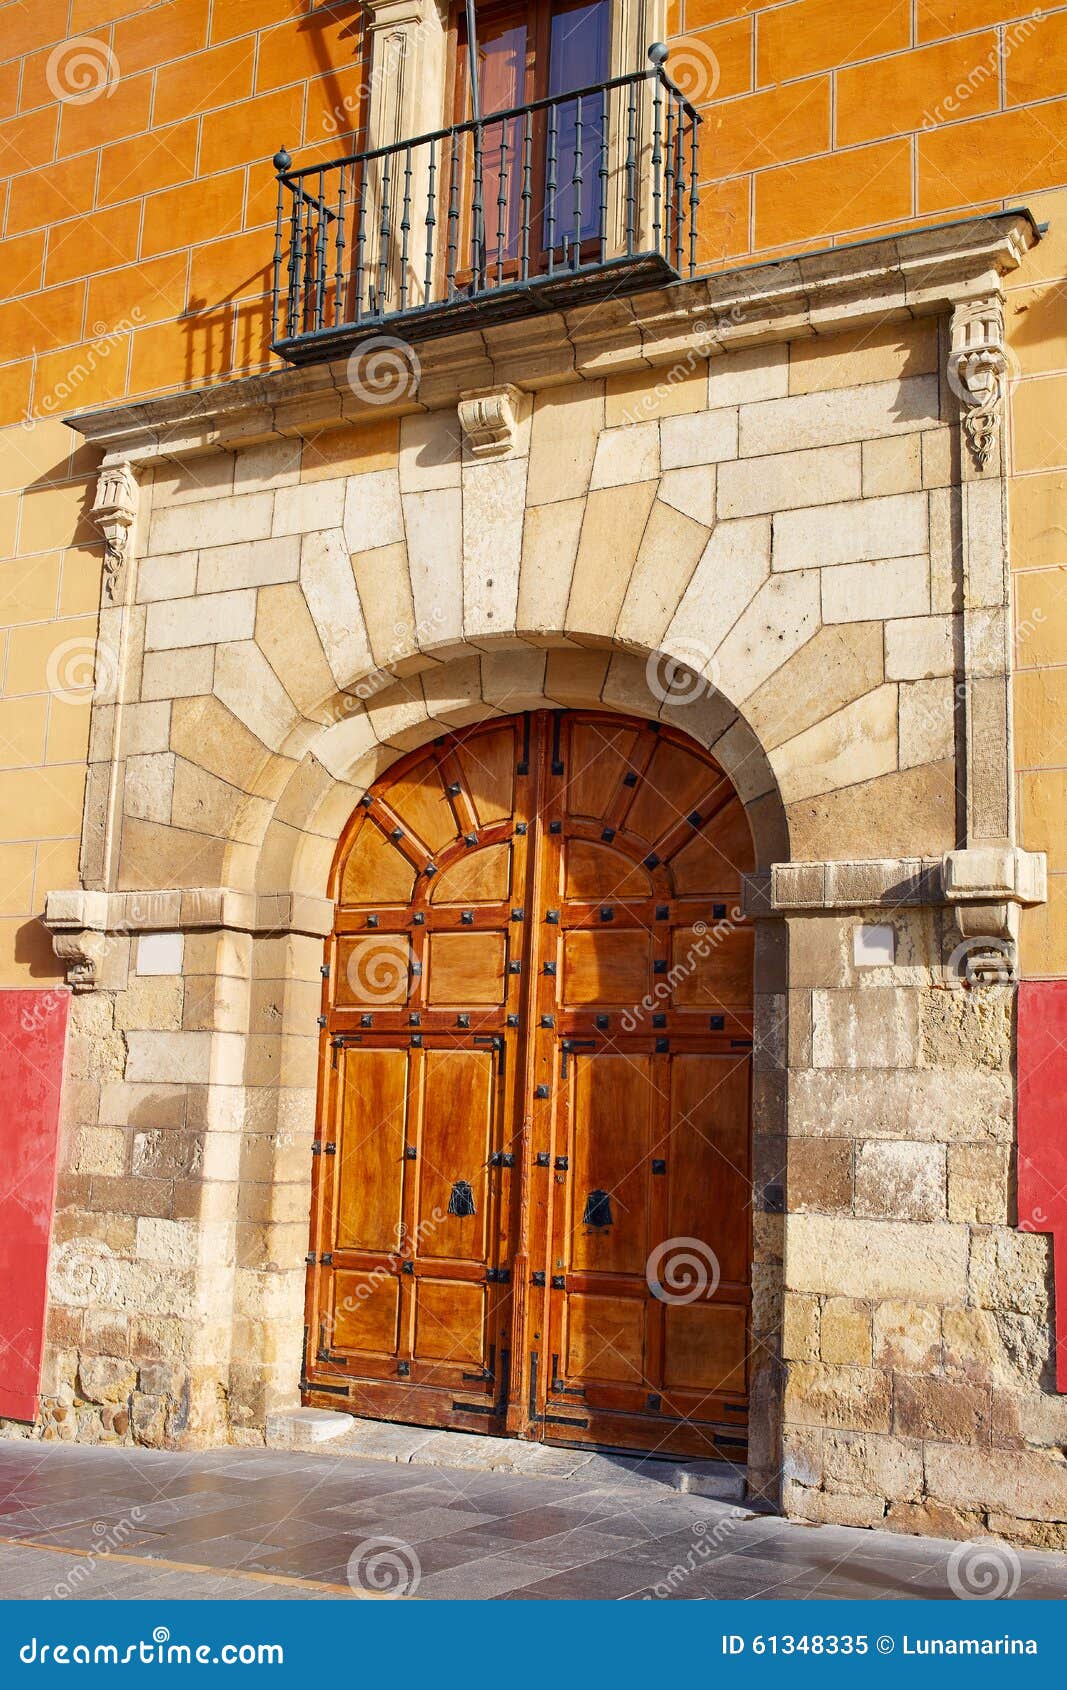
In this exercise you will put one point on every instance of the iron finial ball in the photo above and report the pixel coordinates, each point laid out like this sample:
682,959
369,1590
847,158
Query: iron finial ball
659,53
282,160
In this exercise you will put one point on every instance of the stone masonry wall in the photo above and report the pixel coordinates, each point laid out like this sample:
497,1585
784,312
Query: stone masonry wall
916,1340
783,522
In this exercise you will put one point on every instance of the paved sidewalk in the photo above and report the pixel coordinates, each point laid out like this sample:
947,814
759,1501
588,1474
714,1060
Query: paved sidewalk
254,1525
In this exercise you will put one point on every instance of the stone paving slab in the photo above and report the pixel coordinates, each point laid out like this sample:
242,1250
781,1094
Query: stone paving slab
242,1525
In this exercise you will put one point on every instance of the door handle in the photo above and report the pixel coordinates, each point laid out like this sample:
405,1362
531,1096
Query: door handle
573,1044
497,1043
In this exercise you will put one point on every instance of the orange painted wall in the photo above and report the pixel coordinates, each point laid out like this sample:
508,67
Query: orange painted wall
137,236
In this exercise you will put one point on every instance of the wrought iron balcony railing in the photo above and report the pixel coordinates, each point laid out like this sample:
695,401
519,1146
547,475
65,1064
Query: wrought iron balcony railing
569,198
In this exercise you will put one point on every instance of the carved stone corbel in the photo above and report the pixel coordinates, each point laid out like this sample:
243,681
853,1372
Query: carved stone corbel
490,417
81,955
985,887
77,921
114,513
978,365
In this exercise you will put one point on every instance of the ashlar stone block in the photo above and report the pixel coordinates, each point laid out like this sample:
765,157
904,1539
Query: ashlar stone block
625,456
901,1181
856,531
373,515
205,620
785,481
212,522
841,1256
706,437
831,418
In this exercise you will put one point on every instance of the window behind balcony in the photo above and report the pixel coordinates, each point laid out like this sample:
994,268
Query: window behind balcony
528,53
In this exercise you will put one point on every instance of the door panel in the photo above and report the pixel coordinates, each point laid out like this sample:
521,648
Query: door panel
366,1312
454,1153
608,968
705,1349
482,878
371,1150
466,968
610,1138
532,1186
605,1339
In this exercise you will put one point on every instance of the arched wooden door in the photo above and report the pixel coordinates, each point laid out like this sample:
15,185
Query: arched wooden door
531,1209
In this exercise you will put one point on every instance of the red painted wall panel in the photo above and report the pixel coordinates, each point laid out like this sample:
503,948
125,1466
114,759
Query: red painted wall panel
1042,1107
33,1030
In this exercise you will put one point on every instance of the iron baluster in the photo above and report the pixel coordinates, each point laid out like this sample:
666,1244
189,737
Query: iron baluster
296,239
361,243
694,191
477,215
453,218
405,228
668,178
320,252
309,265
339,249
679,186
282,161
603,212
631,166
577,185
550,188
502,205
431,220
657,160
384,233
526,197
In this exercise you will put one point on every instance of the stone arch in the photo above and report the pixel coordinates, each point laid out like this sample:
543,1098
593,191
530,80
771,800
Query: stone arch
461,684
458,685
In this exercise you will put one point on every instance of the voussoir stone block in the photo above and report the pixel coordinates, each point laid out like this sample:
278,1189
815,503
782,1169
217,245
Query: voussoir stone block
329,587
786,480
856,531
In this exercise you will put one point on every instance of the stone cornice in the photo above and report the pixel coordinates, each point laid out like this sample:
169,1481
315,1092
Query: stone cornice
980,877
918,273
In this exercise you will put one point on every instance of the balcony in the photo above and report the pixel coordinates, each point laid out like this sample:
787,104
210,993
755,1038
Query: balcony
570,199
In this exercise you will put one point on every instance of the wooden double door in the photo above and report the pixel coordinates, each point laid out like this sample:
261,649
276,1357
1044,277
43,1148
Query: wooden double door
531,1198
